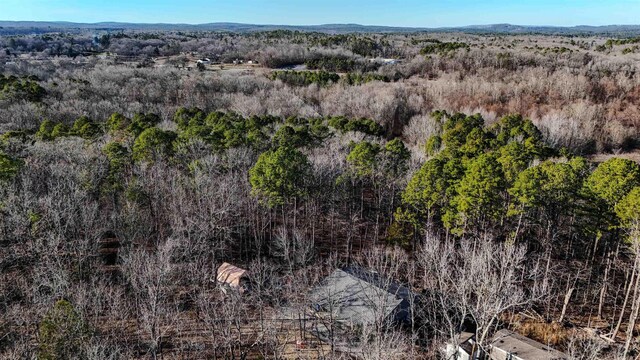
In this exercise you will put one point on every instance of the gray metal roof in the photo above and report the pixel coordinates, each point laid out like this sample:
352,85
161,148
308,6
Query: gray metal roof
522,347
354,300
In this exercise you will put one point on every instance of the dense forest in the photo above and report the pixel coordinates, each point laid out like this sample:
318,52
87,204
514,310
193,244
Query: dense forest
495,176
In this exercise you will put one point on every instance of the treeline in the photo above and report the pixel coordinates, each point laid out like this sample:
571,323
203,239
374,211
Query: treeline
360,78
221,130
611,42
339,64
49,130
304,78
478,176
50,44
443,47
323,78
492,159
361,45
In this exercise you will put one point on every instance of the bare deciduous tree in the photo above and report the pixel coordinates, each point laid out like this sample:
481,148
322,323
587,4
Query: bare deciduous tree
149,274
478,280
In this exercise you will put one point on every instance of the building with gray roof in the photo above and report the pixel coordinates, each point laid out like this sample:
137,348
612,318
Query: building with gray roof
508,345
357,297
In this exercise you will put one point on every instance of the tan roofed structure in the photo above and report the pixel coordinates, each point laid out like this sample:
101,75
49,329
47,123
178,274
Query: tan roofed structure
231,275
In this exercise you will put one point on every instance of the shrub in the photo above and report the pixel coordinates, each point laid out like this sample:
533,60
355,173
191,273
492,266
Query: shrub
59,130
45,131
9,167
62,333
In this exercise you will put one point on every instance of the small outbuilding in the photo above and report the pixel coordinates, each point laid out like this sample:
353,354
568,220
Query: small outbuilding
508,345
466,346
233,277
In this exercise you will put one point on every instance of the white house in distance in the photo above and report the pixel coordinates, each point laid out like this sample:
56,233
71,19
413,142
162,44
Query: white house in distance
204,61
506,345
385,61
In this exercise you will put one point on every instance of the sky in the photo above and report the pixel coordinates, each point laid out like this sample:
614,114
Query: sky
414,13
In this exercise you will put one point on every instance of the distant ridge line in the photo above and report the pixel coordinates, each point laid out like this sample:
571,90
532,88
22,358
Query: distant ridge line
26,27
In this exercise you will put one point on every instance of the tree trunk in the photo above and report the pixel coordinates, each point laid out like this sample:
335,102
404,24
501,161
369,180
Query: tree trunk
629,286
634,309
567,298
603,291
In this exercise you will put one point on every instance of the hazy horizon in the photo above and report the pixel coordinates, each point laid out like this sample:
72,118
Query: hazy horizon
411,13
313,24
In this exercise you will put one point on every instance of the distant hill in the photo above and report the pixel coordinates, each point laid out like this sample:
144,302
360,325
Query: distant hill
613,30
38,27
